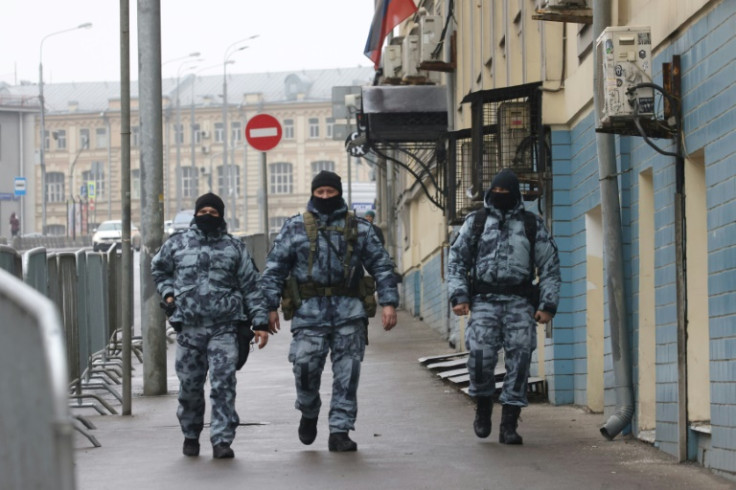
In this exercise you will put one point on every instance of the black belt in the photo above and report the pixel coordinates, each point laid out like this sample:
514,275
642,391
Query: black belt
525,290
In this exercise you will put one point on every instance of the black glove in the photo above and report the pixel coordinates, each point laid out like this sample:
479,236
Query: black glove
245,335
168,308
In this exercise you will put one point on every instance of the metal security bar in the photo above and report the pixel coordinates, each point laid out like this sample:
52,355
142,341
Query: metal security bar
506,132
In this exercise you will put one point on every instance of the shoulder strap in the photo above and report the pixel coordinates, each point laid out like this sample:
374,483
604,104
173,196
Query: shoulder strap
349,231
530,230
479,223
310,226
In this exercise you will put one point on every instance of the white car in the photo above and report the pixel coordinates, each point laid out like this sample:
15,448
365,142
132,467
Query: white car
110,232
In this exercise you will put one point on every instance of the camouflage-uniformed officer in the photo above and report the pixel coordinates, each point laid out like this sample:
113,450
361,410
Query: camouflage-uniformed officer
208,282
491,275
327,317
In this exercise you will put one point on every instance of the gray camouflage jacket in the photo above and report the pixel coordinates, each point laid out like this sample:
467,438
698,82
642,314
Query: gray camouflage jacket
212,278
503,258
290,255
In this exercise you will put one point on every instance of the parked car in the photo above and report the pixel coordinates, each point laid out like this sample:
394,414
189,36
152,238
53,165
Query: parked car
181,221
110,232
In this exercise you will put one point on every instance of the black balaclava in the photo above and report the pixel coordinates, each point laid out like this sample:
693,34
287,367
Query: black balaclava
505,179
207,223
327,179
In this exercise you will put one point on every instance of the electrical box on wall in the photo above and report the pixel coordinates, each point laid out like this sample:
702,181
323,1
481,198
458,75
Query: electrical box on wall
410,56
625,60
430,31
391,60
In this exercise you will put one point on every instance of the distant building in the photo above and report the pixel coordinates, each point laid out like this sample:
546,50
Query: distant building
83,146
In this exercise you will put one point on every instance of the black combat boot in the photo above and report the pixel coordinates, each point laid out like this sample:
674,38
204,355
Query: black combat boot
191,447
341,443
509,421
222,451
482,422
307,430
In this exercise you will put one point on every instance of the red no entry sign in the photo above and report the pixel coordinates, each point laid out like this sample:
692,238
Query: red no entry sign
263,132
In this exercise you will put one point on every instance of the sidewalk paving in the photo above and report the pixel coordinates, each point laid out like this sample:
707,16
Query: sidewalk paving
414,431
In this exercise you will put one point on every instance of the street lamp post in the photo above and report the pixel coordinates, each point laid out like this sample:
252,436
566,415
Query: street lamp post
42,150
194,128
179,129
229,51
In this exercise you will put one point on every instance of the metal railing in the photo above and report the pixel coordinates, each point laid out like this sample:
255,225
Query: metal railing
83,287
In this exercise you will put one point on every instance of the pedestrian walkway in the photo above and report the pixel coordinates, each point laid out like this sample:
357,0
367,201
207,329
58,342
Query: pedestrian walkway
414,431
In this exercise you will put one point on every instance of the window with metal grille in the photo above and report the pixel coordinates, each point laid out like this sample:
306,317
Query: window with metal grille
320,165
96,175
228,180
281,177
313,127
288,129
135,183
190,181
54,187
507,132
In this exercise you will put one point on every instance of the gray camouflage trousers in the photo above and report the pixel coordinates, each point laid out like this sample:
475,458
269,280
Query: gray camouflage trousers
497,324
201,350
308,353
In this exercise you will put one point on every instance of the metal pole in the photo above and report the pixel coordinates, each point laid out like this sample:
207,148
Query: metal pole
42,149
149,87
244,224
613,252
224,123
109,170
177,140
127,266
194,175
264,203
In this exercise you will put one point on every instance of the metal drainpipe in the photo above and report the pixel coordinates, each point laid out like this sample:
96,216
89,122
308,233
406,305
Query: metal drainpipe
611,212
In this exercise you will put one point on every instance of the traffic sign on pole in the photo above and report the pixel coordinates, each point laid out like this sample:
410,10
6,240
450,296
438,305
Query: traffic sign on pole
263,132
20,186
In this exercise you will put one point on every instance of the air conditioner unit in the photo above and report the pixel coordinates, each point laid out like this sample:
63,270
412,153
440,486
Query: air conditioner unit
391,60
410,56
625,57
430,31
205,150
561,4
204,134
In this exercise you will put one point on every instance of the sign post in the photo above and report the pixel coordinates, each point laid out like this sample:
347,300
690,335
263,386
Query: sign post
20,186
263,132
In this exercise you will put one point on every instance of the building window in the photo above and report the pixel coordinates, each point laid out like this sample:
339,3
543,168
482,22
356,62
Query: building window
313,127
329,125
135,140
54,187
320,165
83,138
101,138
275,223
46,142
218,133
225,185
236,132
190,182
60,137
288,129
56,230
197,136
96,177
178,133
135,183
282,179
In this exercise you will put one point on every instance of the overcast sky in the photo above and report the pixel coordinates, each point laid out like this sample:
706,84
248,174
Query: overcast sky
293,35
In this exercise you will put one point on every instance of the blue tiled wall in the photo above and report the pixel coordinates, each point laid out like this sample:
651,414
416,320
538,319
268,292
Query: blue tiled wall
708,60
